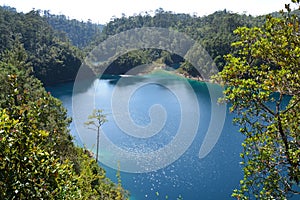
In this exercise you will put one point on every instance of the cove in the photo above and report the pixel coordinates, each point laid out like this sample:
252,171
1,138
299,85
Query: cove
189,176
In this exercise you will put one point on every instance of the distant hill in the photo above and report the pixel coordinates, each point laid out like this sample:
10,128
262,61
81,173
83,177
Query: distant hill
80,33
214,32
56,45
53,58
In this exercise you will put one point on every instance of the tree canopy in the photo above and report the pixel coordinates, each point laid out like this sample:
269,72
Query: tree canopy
56,45
214,32
263,87
50,53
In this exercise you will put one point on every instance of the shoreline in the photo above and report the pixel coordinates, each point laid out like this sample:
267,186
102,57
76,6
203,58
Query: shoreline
151,69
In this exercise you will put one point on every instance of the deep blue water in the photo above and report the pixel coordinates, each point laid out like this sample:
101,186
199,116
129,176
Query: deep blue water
189,175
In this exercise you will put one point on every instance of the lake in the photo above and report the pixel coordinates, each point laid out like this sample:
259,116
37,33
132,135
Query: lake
169,135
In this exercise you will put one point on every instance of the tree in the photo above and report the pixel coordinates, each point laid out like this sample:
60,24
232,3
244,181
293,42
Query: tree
263,88
95,121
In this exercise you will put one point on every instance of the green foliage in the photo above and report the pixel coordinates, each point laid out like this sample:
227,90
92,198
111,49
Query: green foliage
21,93
50,53
47,40
81,34
260,77
135,58
27,169
96,119
214,32
93,182
38,159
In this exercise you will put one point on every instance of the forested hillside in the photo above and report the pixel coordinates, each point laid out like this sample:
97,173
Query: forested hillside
56,45
38,158
80,33
50,52
214,32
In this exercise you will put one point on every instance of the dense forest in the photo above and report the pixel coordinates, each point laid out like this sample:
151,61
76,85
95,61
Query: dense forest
81,34
38,158
50,53
56,46
214,32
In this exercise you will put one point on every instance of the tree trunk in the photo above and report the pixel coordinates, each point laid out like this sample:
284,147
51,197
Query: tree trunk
98,135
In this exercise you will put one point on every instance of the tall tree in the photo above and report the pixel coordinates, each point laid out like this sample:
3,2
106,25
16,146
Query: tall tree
95,121
263,87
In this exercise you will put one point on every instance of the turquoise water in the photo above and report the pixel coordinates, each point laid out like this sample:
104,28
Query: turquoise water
213,176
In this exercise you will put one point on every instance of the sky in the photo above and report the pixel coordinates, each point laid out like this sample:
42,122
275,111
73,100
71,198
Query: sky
102,12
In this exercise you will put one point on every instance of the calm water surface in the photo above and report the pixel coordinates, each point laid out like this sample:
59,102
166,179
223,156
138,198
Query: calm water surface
212,177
